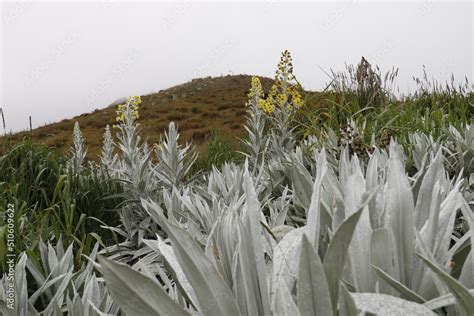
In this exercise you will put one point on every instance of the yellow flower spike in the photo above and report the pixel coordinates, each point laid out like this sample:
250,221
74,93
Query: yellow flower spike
285,67
135,100
261,103
128,110
255,88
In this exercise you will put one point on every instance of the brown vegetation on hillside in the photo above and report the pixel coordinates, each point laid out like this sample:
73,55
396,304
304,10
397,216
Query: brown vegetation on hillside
200,108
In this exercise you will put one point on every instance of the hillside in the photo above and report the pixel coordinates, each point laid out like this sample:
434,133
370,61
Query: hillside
200,107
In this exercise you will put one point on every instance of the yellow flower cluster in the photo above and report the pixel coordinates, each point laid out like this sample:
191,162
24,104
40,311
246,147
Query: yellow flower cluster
296,98
291,98
135,100
283,92
266,104
120,113
129,109
256,90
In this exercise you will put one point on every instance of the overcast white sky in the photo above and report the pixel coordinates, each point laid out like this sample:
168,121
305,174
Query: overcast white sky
60,59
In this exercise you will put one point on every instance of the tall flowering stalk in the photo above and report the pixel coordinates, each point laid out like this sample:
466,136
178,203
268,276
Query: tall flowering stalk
135,166
78,150
257,139
107,157
280,105
284,96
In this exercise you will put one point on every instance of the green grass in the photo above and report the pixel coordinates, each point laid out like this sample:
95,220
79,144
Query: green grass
219,150
372,106
50,201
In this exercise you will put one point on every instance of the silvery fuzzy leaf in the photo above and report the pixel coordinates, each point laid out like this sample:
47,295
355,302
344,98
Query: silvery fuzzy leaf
443,301
419,280
92,294
135,293
212,293
467,273
283,304
313,222
281,231
253,218
462,294
336,254
372,181
400,288
332,193
344,165
383,304
312,288
21,286
246,278
400,209
167,252
301,181
424,199
383,255
56,301
359,248
347,305
285,259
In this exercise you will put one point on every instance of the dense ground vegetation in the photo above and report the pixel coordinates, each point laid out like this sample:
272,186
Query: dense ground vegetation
345,201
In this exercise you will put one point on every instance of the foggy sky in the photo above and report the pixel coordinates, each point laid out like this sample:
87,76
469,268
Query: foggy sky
61,59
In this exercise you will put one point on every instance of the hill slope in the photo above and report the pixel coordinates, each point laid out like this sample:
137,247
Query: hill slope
199,108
